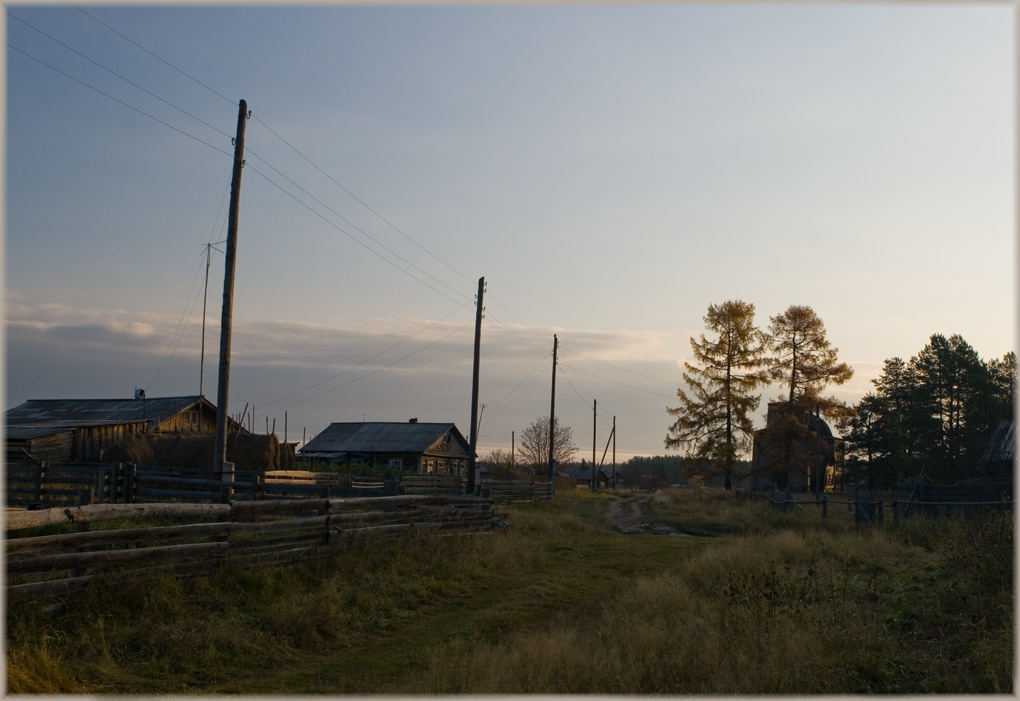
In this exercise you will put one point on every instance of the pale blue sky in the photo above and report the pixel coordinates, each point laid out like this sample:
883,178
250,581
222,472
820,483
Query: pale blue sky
610,169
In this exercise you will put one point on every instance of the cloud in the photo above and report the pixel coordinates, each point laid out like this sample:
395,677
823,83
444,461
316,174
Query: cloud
312,374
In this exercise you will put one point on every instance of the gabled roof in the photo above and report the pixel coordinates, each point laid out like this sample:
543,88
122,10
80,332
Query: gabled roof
70,413
383,437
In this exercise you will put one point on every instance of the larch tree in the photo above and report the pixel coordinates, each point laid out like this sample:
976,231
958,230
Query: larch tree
713,421
802,359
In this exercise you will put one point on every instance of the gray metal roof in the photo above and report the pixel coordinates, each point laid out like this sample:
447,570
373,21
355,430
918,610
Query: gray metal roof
1000,447
25,433
385,437
70,413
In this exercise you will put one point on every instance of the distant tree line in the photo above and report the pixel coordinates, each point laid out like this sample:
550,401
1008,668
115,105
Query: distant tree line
935,412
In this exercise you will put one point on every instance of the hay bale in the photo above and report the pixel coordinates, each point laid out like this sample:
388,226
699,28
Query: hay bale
247,451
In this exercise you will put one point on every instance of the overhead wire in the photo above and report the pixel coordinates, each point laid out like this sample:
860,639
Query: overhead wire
516,391
379,369
503,327
178,334
367,360
118,75
128,39
118,100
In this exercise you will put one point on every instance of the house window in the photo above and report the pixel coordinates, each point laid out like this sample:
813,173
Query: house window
396,463
444,467
191,418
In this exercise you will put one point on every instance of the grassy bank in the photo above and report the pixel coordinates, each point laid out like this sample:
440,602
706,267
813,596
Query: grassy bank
758,602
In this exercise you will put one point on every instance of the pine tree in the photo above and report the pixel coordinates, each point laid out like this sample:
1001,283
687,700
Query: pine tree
713,421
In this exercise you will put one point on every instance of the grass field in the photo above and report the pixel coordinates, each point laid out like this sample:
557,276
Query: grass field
757,602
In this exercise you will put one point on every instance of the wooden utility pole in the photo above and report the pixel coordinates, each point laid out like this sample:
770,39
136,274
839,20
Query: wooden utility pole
205,297
220,466
594,430
552,417
614,453
474,387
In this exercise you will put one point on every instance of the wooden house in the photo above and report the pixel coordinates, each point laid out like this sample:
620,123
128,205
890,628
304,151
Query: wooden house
427,448
796,450
583,476
81,430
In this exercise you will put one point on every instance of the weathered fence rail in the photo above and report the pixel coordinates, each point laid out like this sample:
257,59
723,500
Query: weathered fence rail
70,485
510,491
242,533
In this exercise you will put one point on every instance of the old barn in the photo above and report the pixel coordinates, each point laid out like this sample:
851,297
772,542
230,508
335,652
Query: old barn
81,430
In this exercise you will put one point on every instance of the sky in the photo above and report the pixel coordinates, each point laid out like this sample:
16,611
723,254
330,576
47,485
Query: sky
611,170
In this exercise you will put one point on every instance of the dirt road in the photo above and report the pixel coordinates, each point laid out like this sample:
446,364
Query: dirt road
633,514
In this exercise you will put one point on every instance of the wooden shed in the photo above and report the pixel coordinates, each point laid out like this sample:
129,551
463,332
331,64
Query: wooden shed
81,430
427,448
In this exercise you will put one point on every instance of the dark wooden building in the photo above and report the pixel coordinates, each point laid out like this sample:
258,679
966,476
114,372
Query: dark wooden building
427,448
796,450
81,430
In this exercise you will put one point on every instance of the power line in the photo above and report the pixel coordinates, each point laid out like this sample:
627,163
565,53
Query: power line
353,226
622,384
367,360
361,202
351,236
178,334
518,390
112,72
379,369
189,77
617,367
116,99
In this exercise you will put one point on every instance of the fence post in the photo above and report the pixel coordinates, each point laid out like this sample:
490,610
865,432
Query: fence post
116,474
40,479
129,483
227,478
880,511
895,514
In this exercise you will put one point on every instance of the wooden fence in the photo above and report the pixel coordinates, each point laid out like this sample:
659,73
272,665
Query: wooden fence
866,509
35,486
511,491
242,534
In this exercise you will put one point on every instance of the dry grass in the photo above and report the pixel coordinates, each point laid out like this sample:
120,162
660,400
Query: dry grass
559,603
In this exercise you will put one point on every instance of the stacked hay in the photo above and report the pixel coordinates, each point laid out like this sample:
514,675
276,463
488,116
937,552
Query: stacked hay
247,451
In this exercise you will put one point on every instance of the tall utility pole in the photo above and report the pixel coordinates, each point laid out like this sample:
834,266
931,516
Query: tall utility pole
205,297
614,453
552,415
221,467
594,430
474,387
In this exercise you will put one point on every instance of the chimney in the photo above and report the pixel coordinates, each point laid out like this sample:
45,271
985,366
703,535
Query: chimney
413,421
